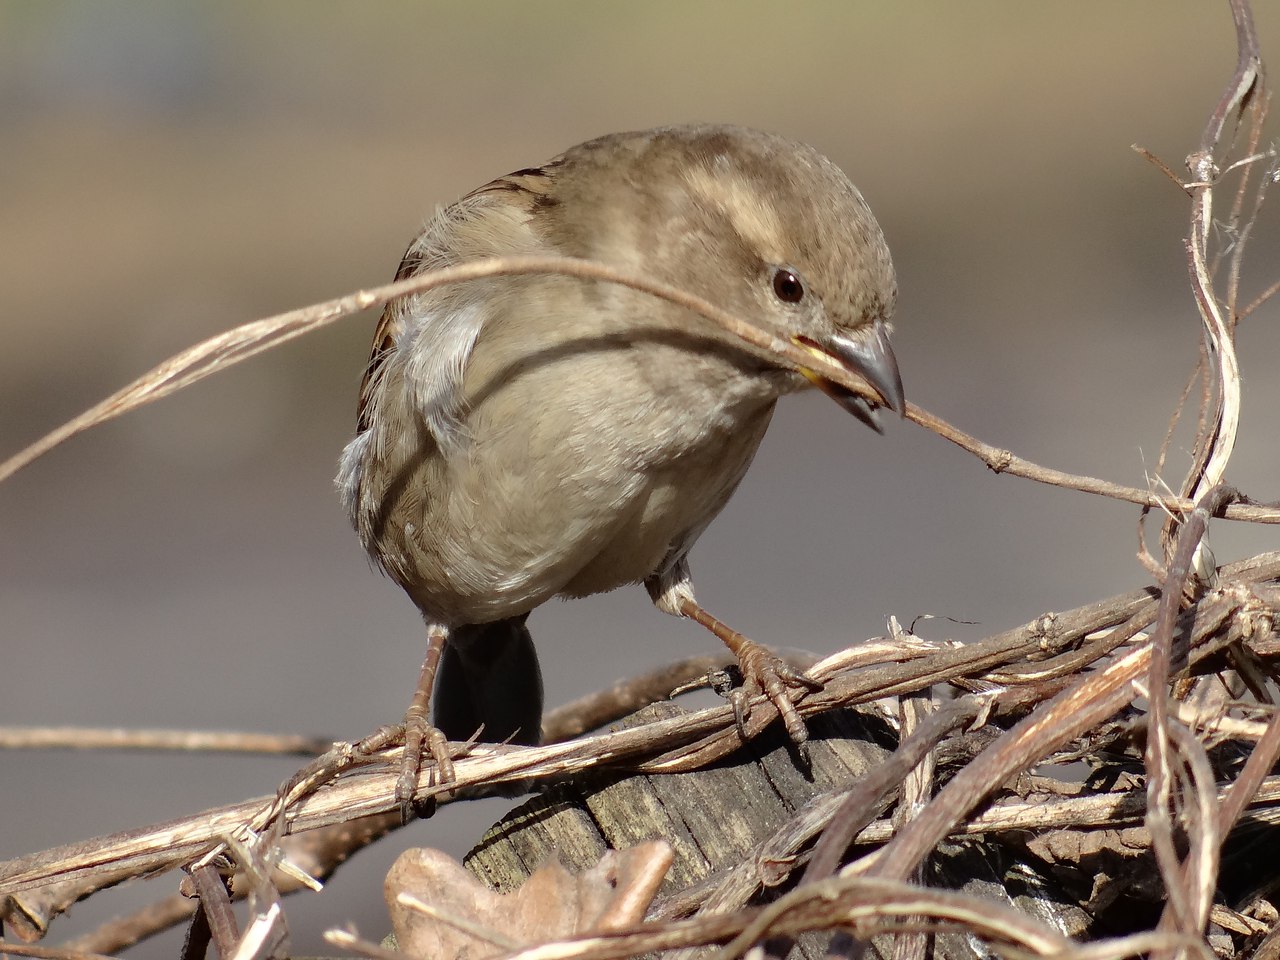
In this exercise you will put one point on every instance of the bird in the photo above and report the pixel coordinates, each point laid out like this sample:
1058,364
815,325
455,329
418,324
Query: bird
521,438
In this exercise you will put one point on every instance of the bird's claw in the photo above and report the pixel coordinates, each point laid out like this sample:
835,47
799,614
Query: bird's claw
720,682
420,738
765,673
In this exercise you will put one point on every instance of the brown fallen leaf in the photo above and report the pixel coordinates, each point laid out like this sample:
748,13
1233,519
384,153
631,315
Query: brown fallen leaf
440,911
1076,846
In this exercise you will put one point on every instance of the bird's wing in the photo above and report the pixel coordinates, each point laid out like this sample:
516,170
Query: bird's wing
435,333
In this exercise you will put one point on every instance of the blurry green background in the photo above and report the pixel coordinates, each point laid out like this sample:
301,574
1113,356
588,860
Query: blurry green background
170,170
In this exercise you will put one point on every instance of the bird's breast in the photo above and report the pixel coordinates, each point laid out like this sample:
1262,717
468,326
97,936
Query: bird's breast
670,509
583,466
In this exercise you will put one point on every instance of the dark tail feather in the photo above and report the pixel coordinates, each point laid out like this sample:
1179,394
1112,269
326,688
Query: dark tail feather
489,675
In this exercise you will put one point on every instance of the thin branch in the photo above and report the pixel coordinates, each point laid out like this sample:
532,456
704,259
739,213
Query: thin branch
1260,299
227,349
862,803
186,741
1159,728
1244,82
1000,460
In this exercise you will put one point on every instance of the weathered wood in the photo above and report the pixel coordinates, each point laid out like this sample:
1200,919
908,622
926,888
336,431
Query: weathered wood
716,818
713,817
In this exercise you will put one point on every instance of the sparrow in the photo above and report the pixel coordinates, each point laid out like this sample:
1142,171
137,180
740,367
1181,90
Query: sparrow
521,438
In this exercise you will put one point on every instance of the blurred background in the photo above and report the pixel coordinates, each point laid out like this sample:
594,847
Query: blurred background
171,170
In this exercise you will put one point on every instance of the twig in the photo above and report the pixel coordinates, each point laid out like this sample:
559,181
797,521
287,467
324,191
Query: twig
465,924
1249,783
215,909
347,940
225,350
1220,409
167,844
1190,885
879,898
1004,461
862,803
1080,707
190,741
628,695
1159,728
109,859
49,953
122,932
1260,299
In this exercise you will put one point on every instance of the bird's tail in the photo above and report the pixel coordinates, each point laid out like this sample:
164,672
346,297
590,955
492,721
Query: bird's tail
489,676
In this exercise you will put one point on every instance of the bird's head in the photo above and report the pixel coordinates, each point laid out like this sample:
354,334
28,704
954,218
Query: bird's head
767,228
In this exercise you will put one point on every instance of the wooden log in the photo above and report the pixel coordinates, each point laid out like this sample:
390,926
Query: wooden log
716,818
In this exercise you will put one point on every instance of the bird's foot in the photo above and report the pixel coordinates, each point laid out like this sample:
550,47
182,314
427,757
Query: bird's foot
421,739
765,673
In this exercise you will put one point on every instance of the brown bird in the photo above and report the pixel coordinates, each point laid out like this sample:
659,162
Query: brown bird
522,438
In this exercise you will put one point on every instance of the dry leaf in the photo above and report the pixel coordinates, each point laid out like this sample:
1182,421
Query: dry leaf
1076,846
440,911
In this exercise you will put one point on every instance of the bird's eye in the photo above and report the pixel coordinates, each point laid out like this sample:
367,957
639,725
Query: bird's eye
787,286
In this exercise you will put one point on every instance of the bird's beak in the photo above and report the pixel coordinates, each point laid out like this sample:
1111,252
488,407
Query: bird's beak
868,356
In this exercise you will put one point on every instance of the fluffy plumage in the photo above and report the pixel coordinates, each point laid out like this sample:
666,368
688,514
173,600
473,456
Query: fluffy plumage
521,438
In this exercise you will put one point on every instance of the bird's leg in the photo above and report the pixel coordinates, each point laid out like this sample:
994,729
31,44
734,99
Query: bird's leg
418,732
763,672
